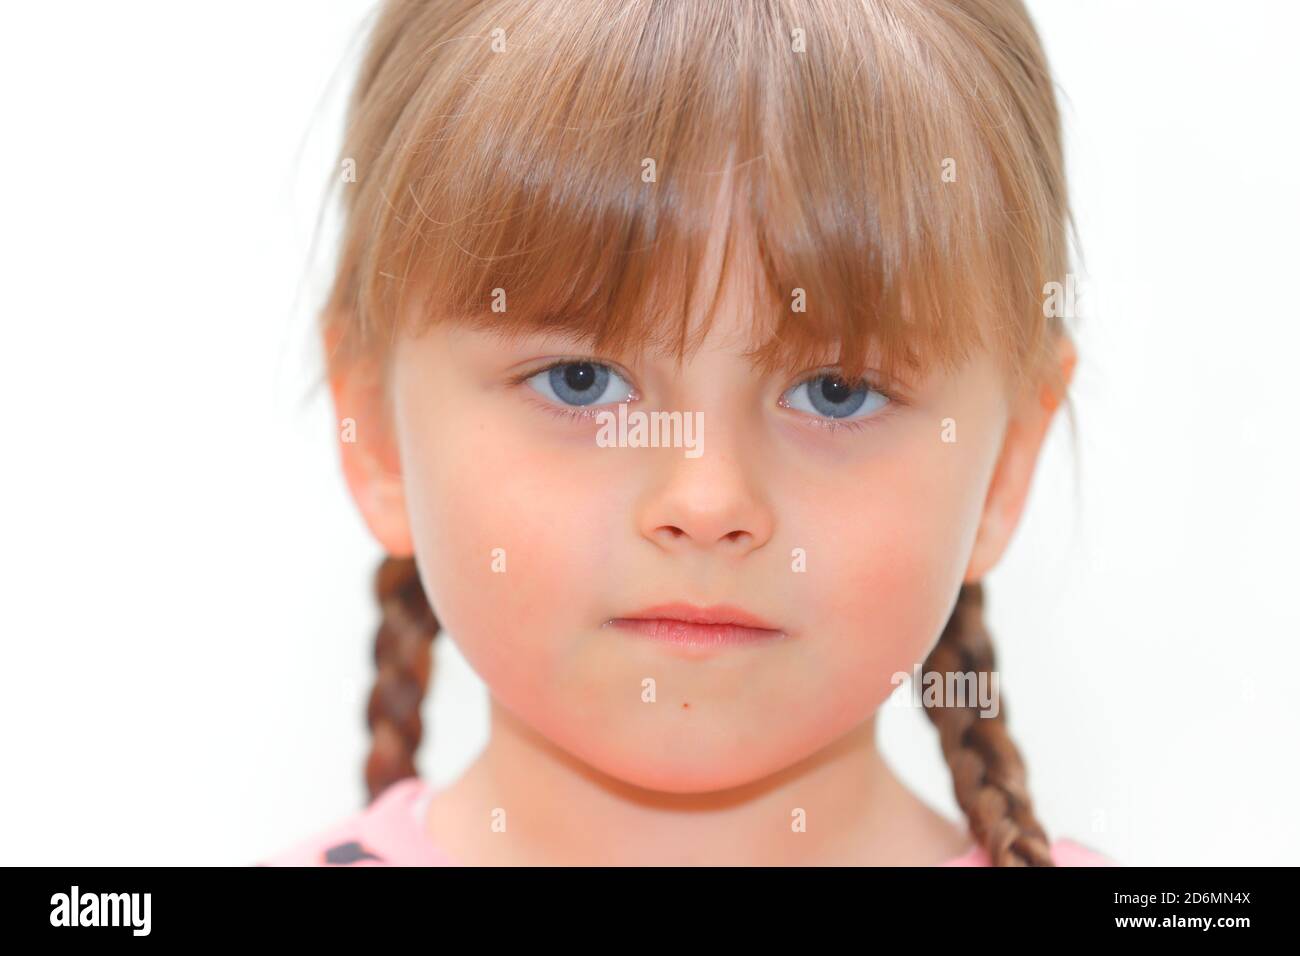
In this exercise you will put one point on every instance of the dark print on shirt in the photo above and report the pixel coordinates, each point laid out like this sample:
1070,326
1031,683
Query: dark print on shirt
350,852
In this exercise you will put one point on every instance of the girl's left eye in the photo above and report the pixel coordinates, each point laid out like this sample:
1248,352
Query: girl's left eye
576,384
829,396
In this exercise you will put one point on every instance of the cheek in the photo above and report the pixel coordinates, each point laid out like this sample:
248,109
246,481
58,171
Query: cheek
888,554
511,536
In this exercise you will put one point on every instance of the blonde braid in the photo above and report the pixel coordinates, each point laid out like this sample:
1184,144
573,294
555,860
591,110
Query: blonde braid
988,774
404,662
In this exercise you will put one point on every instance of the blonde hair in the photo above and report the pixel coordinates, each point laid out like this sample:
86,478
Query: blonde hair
896,162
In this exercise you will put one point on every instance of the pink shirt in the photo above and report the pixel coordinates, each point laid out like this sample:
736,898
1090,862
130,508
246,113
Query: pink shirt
391,832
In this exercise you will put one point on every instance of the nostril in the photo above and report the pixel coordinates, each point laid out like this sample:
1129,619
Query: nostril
675,532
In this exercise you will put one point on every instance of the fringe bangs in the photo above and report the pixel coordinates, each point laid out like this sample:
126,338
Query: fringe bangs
889,172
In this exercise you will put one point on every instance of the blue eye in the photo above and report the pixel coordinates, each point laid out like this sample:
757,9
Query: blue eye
830,396
581,383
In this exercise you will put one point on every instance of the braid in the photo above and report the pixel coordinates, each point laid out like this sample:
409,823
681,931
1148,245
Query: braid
404,661
988,775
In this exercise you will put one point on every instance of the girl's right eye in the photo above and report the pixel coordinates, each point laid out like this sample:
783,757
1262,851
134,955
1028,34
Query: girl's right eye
581,383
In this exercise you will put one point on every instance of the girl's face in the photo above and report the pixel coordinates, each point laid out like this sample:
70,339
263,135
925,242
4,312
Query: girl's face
531,535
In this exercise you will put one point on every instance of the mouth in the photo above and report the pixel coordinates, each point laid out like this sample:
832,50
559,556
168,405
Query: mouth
689,626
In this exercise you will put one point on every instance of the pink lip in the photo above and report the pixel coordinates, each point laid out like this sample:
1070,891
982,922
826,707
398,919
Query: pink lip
720,625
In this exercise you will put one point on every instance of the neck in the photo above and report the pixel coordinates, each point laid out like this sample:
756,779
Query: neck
560,811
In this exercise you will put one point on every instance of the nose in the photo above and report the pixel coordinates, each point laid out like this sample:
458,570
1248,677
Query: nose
704,503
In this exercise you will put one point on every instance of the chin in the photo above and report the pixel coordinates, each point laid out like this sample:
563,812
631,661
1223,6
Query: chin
669,767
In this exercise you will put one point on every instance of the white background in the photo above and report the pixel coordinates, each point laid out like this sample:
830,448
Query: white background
185,616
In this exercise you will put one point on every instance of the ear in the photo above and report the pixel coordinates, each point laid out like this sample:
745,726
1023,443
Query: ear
368,449
1009,488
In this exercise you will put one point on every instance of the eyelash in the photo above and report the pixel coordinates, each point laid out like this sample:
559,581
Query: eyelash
567,413
833,425
830,425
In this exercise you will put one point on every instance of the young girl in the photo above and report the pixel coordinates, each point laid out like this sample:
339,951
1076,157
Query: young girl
819,241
